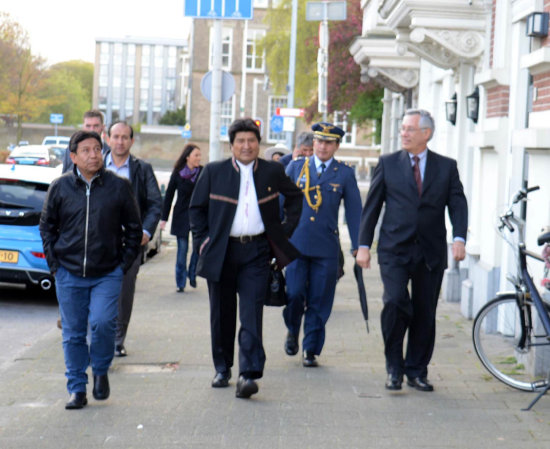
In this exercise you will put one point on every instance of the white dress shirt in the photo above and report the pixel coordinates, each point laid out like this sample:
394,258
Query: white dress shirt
248,220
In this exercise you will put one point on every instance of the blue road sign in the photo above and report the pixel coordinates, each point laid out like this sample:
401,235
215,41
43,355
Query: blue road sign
223,131
276,124
56,119
218,9
186,134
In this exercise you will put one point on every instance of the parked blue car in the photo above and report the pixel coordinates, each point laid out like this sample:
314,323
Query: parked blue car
22,193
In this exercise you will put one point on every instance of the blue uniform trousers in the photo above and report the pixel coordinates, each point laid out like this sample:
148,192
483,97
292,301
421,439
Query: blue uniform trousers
82,300
311,283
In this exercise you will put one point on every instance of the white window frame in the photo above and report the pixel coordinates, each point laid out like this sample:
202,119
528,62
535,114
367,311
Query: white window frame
227,38
229,104
271,112
251,38
340,120
260,3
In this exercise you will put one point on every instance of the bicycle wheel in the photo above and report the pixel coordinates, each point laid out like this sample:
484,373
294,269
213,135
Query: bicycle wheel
502,340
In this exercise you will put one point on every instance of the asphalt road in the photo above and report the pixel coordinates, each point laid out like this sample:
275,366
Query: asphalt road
25,317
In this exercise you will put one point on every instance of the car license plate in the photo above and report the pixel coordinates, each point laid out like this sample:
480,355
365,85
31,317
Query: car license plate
9,256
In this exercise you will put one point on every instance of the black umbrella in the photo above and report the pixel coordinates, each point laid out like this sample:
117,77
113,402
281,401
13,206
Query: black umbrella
358,271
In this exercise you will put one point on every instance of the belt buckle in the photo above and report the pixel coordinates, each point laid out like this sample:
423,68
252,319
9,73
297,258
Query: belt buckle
245,239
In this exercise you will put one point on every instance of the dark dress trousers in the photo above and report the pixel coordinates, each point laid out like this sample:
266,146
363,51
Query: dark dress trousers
147,194
234,267
412,247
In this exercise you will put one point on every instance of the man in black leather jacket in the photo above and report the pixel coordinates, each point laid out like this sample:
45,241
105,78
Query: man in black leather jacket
91,232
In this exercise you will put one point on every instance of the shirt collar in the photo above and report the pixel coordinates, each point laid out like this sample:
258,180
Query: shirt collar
318,162
421,156
247,168
109,161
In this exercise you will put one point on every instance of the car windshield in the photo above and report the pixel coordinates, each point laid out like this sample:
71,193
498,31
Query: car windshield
21,201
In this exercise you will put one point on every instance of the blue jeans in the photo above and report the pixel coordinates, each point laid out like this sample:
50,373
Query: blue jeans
181,262
82,300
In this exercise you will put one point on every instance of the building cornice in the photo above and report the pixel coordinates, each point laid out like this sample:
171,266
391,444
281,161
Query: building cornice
444,32
380,62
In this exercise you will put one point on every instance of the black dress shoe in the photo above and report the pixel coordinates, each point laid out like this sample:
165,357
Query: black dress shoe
120,351
420,383
309,360
193,282
394,382
246,387
291,344
221,380
76,401
101,387
180,290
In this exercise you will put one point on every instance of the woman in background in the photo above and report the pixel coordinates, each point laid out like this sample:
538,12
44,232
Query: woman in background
183,179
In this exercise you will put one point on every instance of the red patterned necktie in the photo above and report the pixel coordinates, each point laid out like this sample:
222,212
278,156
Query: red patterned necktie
417,177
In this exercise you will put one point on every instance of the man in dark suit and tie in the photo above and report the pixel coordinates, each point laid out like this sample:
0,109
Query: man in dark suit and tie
235,219
416,185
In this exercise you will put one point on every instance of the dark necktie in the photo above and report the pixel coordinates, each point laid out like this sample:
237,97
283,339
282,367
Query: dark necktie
323,167
417,177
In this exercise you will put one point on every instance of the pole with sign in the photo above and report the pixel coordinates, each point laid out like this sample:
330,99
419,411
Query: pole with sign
56,119
217,10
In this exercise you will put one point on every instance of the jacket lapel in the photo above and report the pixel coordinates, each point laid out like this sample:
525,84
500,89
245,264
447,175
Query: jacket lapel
430,171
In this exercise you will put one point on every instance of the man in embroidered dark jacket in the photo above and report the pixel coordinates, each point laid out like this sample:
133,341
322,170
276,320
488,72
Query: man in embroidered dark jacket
235,219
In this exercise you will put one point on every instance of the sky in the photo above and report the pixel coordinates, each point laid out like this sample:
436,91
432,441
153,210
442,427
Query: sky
63,30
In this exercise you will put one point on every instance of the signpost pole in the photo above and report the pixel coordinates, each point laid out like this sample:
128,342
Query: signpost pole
215,153
292,67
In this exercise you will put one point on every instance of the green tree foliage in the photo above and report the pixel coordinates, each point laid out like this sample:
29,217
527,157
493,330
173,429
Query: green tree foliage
345,90
176,117
68,90
277,47
21,75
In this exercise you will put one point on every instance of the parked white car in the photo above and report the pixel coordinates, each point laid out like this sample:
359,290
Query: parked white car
56,140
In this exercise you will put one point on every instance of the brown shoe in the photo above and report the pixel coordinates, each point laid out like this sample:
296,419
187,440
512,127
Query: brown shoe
59,323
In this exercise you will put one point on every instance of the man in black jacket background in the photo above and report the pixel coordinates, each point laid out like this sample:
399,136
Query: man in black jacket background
91,232
147,193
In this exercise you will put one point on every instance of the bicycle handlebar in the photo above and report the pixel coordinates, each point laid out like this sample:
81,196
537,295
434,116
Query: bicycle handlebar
522,193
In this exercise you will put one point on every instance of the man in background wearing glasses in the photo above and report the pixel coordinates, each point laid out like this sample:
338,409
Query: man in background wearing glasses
416,185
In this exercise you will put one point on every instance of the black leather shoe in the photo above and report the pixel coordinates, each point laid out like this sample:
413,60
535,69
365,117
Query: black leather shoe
180,290
193,282
309,360
221,380
291,344
76,401
394,382
420,383
101,387
246,387
120,351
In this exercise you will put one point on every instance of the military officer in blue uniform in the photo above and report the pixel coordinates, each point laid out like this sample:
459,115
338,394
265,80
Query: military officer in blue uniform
311,279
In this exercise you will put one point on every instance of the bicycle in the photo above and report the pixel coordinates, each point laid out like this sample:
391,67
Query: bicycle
508,329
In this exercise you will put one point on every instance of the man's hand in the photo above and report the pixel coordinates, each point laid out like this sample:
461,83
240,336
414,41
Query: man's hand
162,224
145,239
363,257
459,250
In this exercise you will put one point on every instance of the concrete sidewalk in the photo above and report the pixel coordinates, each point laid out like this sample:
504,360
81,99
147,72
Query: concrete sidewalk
161,395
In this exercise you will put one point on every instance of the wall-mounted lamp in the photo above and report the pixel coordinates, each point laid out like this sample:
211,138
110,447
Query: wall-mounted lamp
537,24
450,109
472,105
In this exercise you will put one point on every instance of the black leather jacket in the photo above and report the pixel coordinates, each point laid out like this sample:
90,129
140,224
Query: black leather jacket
90,230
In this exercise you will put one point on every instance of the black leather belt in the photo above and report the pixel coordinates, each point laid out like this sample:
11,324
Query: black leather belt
247,238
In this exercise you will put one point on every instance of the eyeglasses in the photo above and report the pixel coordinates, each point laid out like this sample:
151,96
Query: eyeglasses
410,129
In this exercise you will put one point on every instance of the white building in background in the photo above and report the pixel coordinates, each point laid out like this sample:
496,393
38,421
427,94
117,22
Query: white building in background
139,79
425,53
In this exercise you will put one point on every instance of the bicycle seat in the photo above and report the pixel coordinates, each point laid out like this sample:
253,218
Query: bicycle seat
544,237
